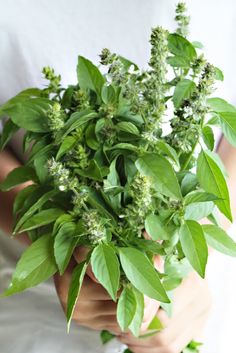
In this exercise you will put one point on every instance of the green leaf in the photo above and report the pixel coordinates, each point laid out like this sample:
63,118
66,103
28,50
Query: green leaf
91,137
153,165
178,61
112,183
183,90
92,171
198,210
89,77
212,180
36,265
155,228
199,196
74,290
197,44
35,206
218,239
141,273
208,137
149,245
41,219
220,105
30,114
67,144
76,120
21,197
219,74
155,324
194,245
18,176
106,336
106,268
169,151
189,183
108,94
64,245
228,125
181,47
126,308
129,127
136,323
9,129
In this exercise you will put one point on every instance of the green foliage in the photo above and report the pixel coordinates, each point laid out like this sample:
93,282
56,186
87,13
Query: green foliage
36,265
74,290
104,168
194,245
106,268
141,274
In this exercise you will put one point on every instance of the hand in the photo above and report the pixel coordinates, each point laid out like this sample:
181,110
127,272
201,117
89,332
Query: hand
94,308
191,304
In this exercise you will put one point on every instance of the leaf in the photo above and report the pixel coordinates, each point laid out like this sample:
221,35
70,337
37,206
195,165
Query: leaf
169,151
199,196
129,127
220,105
89,77
9,129
180,46
228,125
149,245
183,90
91,137
141,273
212,180
74,290
208,137
18,176
64,245
67,144
188,183
106,268
218,239
108,94
198,210
111,183
36,265
75,121
106,336
35,206
20,198
92,171
41,219
197,45
194,245
155,324
155,228
30,114
126,308
137,320
178,61
219,74
153,165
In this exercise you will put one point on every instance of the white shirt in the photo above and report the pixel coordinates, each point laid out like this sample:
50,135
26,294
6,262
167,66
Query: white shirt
34,34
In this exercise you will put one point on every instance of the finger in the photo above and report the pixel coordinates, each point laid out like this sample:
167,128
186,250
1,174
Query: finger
104,322
93,309
80,254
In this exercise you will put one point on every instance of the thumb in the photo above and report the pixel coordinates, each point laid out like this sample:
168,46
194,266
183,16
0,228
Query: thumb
80,254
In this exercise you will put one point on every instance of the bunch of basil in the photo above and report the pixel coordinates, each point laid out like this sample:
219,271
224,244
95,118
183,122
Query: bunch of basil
104,169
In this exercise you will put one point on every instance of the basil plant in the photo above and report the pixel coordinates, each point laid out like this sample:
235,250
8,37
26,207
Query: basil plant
123,163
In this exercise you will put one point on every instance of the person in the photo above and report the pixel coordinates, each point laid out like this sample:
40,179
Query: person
53,33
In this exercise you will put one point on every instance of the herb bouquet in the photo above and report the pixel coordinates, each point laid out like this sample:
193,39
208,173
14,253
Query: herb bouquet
122,152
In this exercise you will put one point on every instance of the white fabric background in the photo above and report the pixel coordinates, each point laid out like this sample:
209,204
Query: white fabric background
34,34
